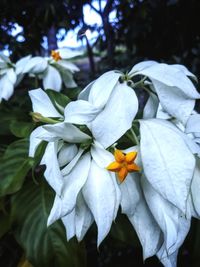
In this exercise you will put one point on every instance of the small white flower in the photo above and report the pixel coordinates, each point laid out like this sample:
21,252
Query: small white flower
53,70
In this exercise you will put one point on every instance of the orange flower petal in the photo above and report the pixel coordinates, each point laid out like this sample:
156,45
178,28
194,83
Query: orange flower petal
133,167
119,156
130,157
114,166
122,174
55,55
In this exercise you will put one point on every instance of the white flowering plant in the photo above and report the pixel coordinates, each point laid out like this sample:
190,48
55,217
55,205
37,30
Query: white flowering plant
104,155
53,71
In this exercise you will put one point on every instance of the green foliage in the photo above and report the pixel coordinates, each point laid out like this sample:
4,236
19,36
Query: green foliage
21,129
4,223
59,100
44,247
14,167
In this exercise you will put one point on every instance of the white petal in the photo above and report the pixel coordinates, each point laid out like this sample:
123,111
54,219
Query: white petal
2,69
193,124
35,139
42,104
151,107
195,188
84,94
168,163
6,88
66,53
5,58
21,64
99,194
55,211
83,217
142,65
102,88
174,101
109,126
118,195
19,79
146,228
11,75
131,194
162,114
80,112
166,214
168,261
172,77
67,153
67,169
191,211
169,257
69,223
52,79
101,156
73,182
68,65
67,132
52,173
185,71
179,129
36,65
67,78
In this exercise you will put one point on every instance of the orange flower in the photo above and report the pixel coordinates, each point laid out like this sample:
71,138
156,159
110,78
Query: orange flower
55,55
124,164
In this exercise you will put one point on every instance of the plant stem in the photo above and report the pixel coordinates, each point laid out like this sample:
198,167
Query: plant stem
134,137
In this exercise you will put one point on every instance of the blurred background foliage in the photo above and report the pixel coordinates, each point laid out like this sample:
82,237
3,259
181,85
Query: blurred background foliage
159,29
163,30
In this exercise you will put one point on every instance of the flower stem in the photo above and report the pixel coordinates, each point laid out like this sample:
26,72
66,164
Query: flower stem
37,117
140,83
134,137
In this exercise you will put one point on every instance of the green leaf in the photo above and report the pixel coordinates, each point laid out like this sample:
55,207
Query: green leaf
21,129
4,223
44,247
39,153
14,167
59,100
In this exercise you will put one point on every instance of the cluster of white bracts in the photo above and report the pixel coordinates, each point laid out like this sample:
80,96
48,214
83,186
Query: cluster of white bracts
53,73
161,199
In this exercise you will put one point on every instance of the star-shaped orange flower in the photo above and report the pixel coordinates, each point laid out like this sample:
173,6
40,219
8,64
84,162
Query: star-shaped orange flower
55,55
123,164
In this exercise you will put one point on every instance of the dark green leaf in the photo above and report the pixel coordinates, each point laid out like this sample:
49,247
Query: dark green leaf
21,129
39,152
14,167
59,100
4,223
44,247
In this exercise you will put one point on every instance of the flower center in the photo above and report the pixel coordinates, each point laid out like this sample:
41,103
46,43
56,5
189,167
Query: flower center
123,164
55,55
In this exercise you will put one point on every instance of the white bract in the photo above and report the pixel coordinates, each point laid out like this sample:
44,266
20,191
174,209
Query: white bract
106,106
175,90
8,77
